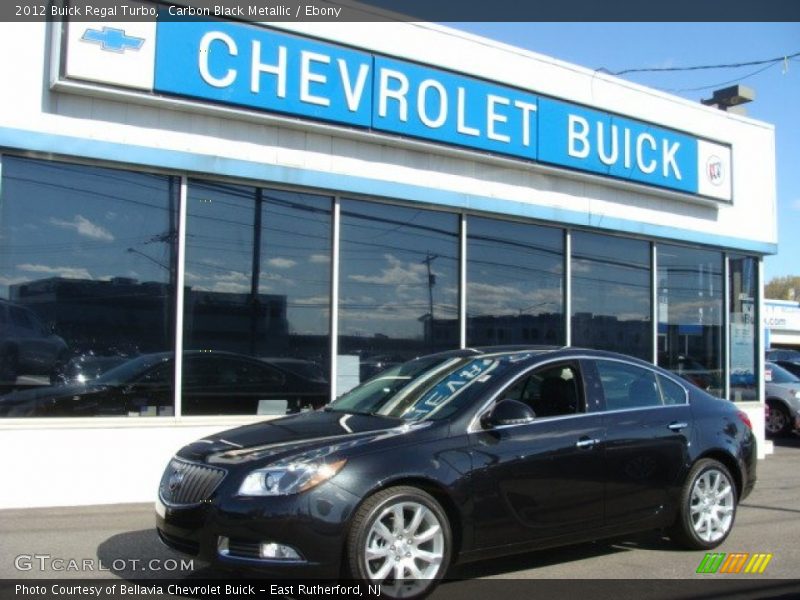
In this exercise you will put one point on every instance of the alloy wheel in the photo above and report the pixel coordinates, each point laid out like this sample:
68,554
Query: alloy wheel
712,505
405,546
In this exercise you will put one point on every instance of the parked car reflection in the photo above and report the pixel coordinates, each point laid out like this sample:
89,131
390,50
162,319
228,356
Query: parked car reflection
214,383
27,346
691,370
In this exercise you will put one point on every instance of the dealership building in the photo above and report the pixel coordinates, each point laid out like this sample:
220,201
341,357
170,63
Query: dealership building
206,223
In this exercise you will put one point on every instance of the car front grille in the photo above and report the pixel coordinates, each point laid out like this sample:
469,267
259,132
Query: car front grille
187,484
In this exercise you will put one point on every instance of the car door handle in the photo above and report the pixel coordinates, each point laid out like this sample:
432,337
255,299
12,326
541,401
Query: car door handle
677,426
586,442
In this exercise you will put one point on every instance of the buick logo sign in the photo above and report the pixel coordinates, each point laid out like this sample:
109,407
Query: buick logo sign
175,480
715,170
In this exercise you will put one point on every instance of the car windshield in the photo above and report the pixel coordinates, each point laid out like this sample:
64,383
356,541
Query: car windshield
427,388
130,370
776,374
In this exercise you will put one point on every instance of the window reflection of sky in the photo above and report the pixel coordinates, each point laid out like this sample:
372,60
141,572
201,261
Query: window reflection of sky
294,234
386,254
85,223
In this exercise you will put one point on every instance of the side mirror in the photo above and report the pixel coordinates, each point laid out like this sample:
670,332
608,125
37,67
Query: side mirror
508,412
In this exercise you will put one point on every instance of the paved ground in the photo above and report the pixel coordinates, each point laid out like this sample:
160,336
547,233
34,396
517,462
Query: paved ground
121,537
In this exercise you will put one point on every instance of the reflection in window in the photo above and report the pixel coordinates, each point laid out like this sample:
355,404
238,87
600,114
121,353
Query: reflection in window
398,293
257,300
743,286
628,387
87,272
690,315
514,283
611,294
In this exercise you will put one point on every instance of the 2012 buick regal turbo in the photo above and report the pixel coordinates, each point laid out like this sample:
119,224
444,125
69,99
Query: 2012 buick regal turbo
461,456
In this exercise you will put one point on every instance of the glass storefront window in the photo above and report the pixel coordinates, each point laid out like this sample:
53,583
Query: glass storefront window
87,287
257,300
690,307
515,283
611,294
398,292
743,289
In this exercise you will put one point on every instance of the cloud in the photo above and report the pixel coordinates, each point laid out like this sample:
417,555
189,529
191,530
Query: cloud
395,274
66,272
281,263
319,258
84,227
795,204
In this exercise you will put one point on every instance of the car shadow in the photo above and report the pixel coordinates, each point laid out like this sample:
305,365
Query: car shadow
140,555
534,559
789,441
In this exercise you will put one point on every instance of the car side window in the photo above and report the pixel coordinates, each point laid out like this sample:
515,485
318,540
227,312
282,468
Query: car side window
627,386
671,392
550,391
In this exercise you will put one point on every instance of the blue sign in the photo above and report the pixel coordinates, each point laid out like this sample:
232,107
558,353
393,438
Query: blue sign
436,105
265,70
591,140
253,67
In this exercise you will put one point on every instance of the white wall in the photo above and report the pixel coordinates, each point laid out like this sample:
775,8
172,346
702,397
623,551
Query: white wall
58,463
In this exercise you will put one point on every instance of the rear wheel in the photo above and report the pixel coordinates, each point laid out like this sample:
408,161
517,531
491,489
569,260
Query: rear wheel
400,539
708,507
778,422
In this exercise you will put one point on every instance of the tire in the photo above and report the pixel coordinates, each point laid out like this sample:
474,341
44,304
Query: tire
707,507
400,539
779,422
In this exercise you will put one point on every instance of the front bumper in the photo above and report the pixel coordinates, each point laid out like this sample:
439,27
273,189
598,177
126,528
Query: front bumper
313,523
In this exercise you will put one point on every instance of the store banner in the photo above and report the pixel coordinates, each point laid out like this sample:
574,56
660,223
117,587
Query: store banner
260,69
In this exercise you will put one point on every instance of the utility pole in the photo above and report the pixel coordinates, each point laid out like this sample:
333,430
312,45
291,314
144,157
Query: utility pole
429,258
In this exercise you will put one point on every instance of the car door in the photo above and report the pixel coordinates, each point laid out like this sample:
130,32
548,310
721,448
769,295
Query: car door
648,427
543,479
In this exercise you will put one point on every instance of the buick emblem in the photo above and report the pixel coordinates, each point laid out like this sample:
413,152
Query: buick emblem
175,480
714,170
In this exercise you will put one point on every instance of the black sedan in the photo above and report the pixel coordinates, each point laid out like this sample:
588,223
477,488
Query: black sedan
462,456
214,383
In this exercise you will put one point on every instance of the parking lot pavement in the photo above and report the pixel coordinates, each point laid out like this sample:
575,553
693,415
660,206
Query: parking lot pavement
121,541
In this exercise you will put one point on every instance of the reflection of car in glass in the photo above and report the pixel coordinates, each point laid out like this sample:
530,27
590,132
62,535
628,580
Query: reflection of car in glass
26,345
783,354
691,370
213,383
783,398
792,367
459,456
87,366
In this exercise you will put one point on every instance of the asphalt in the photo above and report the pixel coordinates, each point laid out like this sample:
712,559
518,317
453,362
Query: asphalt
119,542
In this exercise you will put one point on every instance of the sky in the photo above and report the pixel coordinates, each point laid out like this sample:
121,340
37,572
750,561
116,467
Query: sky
619,46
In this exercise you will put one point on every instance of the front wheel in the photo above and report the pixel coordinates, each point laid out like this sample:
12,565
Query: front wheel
708,507
779,422
400,539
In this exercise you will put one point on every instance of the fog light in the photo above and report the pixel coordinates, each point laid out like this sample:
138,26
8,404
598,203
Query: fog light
278,552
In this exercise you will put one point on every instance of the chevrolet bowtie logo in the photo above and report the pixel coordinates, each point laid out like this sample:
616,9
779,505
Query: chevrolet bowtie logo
112,39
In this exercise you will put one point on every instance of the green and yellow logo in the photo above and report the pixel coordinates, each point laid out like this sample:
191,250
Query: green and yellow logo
734,563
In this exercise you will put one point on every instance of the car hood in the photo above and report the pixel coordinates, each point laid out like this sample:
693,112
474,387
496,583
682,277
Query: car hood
315,434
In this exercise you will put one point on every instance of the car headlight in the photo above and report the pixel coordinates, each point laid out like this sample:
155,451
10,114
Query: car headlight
291,478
